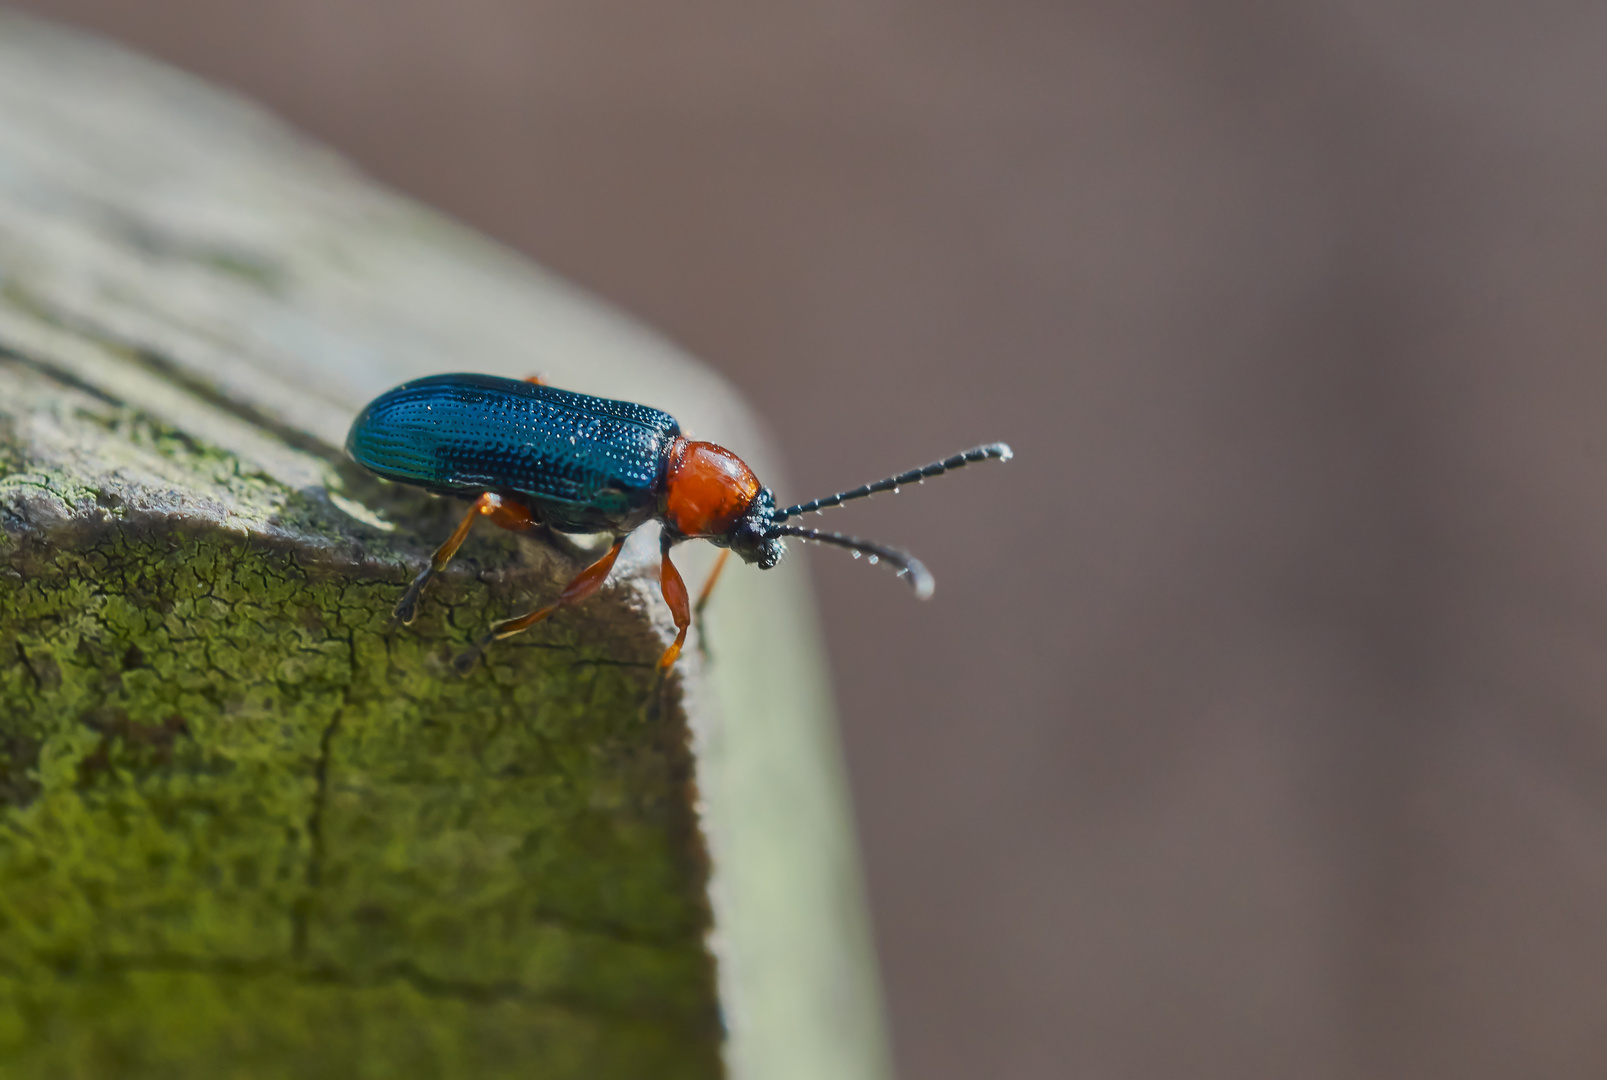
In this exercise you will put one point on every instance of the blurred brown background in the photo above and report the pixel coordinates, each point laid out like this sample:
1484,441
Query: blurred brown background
1259,725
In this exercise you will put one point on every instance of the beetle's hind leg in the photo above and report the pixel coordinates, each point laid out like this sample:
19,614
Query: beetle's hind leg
587,582
406,609
507,515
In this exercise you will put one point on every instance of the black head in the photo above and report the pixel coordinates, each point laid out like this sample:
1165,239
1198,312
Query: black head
753,536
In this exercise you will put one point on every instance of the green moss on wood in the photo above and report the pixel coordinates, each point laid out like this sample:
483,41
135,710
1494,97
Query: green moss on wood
248,829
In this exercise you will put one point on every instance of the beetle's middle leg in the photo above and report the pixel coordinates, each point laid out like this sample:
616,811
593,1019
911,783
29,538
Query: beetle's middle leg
507,515
587,582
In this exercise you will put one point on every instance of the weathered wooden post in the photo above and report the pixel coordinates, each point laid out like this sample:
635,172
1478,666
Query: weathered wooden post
246,827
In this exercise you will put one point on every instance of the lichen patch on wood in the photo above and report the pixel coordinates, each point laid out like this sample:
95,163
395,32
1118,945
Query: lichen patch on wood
250,827
229,785
247,828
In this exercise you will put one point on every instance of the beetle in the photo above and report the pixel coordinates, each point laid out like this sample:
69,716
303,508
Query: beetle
531,455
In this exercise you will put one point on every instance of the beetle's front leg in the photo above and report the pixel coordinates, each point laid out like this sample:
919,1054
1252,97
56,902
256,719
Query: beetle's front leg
587,582
669,580
703,600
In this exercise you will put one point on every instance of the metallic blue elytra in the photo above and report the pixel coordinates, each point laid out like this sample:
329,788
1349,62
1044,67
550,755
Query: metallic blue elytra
581,463
532,455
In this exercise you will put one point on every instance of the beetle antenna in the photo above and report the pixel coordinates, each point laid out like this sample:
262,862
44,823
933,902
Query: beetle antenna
909,567
893,483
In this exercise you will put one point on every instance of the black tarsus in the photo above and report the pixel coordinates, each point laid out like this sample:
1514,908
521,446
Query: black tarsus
937,468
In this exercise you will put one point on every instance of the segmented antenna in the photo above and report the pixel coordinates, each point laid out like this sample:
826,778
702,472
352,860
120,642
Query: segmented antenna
909,567
893,483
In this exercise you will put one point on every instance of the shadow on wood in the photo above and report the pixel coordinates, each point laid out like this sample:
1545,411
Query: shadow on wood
247,826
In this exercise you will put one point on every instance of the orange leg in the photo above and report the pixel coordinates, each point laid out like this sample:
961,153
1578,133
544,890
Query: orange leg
536,379
708,586
507,515
587,582
703,600
669,580
512,516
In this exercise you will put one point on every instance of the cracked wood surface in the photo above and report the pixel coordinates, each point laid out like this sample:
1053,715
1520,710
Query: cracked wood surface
249,828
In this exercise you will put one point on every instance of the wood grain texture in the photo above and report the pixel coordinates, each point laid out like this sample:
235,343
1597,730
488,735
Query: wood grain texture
246,826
